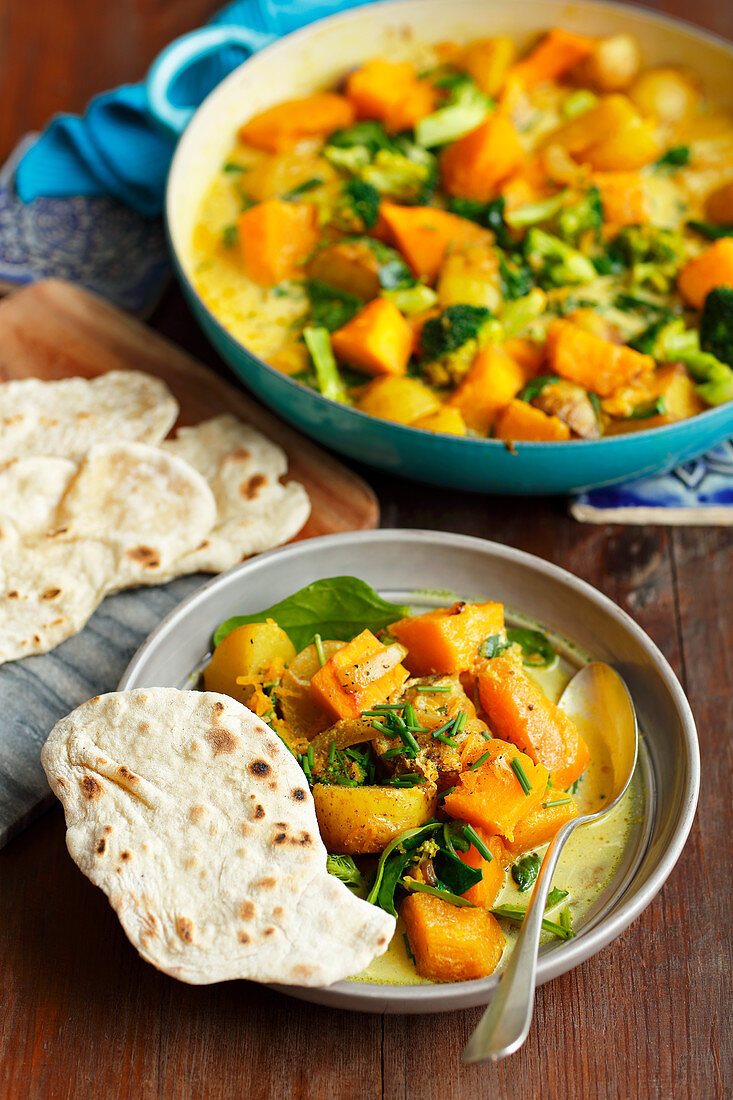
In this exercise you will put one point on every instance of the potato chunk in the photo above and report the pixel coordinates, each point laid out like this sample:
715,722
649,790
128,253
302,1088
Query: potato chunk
254,651
362,820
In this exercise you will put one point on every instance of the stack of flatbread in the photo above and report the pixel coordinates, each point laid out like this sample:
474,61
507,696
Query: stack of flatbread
196,821
94,498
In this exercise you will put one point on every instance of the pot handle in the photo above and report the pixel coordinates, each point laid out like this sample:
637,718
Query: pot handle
179,55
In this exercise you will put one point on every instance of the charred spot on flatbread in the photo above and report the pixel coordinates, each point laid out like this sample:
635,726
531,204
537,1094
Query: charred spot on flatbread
221,740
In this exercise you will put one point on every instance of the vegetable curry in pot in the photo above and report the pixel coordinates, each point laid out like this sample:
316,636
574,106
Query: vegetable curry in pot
525,248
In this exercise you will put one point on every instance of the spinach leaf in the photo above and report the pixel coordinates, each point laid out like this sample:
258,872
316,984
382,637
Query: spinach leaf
336,607
331,308
535,387
492,646
525,871
555,896
537,649
712,232
392,863
453,874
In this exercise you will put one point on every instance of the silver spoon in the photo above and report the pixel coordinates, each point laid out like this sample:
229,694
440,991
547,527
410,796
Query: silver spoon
598,694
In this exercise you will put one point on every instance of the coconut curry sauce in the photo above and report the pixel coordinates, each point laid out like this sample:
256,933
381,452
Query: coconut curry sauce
523,248
439,763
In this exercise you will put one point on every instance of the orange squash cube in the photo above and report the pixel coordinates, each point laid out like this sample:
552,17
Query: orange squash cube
485,892
591,361
476,165
540,826
423,234
554,56
520,712
281,127
713,267
492,381
623,197
451,944
446,640
361,674
274,239
521,421
377,340
392,92
490,795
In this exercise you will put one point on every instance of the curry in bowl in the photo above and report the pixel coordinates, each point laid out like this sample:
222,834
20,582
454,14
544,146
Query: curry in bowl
439,763
535,248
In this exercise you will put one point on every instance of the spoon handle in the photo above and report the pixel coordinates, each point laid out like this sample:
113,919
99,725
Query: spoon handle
505,1024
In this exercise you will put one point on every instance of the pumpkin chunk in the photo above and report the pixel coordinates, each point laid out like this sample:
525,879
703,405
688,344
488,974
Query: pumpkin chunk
521,421
284,125
446,640
493,380
540,826
592,362
274,238
476,165
424,234
377,340
392,92
520,712
554,56
485,892
713,267
490,795
451,944
362,673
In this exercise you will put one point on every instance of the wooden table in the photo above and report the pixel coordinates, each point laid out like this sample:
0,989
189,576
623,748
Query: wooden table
83,1016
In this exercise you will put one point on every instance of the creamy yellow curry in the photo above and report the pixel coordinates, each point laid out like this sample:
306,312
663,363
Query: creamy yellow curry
439,763
527,248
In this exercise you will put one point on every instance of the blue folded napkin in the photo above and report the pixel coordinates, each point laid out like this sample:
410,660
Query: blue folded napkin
115,149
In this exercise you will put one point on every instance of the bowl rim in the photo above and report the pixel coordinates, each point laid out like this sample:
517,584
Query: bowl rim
367,996
713,416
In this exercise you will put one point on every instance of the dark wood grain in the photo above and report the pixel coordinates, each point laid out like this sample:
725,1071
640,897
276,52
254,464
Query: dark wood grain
649,1017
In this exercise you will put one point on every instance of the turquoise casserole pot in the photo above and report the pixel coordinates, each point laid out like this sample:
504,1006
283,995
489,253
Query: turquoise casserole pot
319,55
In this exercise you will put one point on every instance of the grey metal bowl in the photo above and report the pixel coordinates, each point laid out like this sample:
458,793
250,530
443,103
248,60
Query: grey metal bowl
399,562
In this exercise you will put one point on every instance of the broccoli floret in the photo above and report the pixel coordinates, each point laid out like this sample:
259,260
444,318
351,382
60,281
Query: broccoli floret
330,308
465,108
583,216
532,213
359,205
554,262
449,343
392,166
716,324
674,158
516,315
515,276
394,274
412,299
344,869
652,253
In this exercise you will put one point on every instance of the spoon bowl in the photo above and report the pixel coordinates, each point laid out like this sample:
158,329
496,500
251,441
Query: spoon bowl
595,696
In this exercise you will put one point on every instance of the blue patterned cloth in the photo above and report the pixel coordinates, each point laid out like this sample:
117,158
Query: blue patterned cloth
115,149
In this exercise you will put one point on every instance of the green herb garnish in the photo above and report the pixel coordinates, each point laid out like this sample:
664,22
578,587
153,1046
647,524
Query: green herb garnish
470,834
344,869
537,649
423,888
517,914
428,688
492,646
525,871
318,643
521,775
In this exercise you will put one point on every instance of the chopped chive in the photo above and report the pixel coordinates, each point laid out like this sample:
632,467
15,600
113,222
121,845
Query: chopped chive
311,756
232,166
446,792
423,888
392,752
381,728
446,740
470,834
564,919
382,708
344,781
409,779
409,741
460,723
318,643
409,715
442,729
516,914
427,688
521,775
332,754
481,760
557,802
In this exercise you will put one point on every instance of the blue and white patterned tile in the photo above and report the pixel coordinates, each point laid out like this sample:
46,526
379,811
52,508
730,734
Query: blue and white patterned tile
96,243
697,492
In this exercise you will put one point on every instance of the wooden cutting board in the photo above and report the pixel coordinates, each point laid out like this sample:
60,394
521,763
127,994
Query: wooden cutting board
55,330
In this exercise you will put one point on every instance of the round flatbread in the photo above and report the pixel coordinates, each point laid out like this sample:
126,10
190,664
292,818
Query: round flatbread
67,417
197,822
